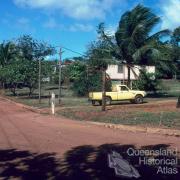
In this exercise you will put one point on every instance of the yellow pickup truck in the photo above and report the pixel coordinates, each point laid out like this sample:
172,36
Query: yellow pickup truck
119,93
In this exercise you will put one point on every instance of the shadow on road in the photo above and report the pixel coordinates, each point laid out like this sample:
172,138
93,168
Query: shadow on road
80,163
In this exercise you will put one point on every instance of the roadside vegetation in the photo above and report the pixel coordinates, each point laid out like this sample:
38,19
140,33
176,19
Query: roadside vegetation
153,113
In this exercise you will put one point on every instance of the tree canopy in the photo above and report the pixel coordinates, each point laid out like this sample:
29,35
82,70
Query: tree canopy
19,62
134,38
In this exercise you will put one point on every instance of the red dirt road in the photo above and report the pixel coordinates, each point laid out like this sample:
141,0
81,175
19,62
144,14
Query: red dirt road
25,134
24,129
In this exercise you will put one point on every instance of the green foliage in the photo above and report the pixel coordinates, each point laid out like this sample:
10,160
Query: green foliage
167,64
85,79
77,74
8,53
76,70
148,81
99,57
99,52
31,52
47,68
32,49
80,86
134,39
55,76
31,74
19,62
95,82
175,55
175,38
13,74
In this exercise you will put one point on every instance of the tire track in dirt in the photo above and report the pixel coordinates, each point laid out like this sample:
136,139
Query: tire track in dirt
38,132
15,137
41,133
6,139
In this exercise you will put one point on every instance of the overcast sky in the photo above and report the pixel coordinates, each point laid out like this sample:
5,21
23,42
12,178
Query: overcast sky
72,23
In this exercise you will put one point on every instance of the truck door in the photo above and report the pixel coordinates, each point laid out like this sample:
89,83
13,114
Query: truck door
113,94
124,93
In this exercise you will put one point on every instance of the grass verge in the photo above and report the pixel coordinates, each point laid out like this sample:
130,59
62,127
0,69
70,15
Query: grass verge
163,119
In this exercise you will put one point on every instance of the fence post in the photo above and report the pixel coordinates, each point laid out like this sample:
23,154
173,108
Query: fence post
49,99
53,103
178,102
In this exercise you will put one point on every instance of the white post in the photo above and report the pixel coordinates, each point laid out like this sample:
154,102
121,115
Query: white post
53,103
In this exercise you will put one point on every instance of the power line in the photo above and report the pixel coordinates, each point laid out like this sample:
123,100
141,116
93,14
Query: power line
69,50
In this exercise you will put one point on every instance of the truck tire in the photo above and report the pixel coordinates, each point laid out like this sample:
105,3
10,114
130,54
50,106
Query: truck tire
139,99
108,100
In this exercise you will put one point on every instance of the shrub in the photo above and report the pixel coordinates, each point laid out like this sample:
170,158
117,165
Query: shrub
85,81
148,81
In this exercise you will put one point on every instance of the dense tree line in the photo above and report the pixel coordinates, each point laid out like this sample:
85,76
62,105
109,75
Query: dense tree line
19,62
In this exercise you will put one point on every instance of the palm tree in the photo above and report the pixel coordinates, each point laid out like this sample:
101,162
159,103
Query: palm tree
134,38
8,53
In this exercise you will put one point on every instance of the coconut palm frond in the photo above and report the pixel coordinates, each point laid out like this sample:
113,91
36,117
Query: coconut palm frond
141,52
159,35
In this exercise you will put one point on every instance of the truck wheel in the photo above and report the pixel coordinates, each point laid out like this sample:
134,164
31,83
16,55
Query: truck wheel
108,101
139,99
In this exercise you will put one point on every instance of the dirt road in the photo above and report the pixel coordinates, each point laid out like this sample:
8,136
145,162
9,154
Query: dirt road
36,146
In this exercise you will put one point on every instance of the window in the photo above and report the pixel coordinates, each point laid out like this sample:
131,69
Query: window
120,68
124,88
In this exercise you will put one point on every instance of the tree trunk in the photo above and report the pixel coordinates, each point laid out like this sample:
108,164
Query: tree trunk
30,91
129,76
13,89
103,90
2,85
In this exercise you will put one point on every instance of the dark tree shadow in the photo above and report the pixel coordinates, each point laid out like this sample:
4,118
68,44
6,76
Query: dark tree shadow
161,95
25,165
80,163
117,103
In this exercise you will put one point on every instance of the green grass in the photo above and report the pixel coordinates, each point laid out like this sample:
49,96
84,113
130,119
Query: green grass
67,99
171,84
164,119
171,87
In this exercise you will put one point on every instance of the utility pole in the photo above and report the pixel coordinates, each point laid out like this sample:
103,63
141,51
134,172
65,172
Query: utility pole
39,80
103,89
60,74
88,78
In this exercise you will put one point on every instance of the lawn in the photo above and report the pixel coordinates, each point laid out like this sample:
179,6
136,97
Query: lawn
171,87
159,113
67,99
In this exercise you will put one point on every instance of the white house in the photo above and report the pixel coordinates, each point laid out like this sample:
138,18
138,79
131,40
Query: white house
120,72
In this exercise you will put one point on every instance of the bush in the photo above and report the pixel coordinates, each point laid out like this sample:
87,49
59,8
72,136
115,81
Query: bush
148,81
85,81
